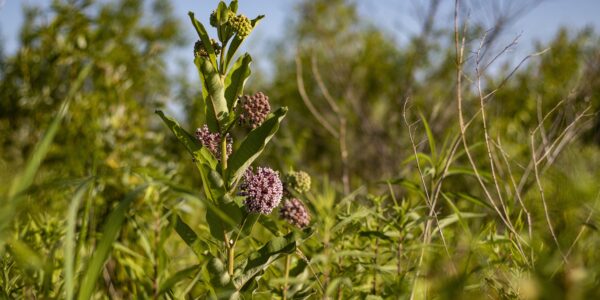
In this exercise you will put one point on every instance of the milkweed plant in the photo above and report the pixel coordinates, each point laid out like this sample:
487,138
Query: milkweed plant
237,193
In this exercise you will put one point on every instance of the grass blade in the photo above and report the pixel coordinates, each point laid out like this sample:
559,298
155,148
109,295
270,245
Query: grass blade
69,247
26,179
109,235
177,277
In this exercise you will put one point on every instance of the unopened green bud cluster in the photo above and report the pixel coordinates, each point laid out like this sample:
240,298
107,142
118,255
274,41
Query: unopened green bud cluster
200,50
298,181
241,25
214,22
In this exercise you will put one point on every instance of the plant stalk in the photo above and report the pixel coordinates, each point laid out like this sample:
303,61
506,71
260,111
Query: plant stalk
230,259
287,276
223,154
222,59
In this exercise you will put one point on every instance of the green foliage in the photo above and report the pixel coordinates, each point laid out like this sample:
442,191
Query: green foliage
100,201
253,145
109,235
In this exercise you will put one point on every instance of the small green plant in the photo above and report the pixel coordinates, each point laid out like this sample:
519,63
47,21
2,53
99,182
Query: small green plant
237,194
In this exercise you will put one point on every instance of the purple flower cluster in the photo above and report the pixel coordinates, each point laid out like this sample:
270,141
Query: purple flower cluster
212,141
294,211
263,190
254,109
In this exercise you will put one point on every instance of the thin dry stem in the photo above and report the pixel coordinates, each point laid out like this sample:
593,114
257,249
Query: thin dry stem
459,48
544,203
308,103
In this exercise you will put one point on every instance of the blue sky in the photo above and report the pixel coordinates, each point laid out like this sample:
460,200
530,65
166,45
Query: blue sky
395,16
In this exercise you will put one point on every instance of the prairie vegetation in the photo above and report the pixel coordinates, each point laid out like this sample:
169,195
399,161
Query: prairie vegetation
359,167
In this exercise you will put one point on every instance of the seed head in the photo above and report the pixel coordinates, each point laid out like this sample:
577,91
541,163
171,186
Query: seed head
200,50
212,141
298,181
294,211
241,25
263,190
254,109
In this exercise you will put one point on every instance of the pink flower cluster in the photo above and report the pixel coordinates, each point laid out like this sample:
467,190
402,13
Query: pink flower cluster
294,211
263,190
254,109
212,141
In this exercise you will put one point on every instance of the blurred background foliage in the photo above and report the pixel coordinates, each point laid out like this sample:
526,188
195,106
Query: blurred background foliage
375,123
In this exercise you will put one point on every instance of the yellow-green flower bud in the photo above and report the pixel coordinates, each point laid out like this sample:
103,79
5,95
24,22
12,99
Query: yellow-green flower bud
241,25
298,181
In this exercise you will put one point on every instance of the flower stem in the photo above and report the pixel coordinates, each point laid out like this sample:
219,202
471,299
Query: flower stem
231,258
223,154
222,59
287,275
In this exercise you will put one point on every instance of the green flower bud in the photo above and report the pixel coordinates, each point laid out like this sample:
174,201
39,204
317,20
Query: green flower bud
213,19
241,25
200,50
298,181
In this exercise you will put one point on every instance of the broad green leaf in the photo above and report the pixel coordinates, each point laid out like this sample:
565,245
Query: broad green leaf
269,225
222,218
253,146
237,41
358,215
189,236
250,219
430,137
470,198
109,235
336,284
453,218
422,158
218,271
411,185
375,234
259,261
220,280
221,13
236,79
233,6
484,175
205,39
190,142
177,277
216,103
212,190
457,212
69,247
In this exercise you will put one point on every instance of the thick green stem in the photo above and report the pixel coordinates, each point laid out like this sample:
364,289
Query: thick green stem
223,154
230,259
222,59
287,275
